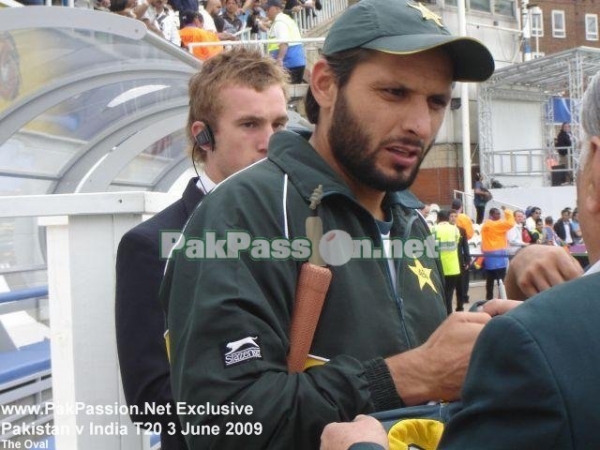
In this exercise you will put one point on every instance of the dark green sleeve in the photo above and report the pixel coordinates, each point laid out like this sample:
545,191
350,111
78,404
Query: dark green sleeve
510,396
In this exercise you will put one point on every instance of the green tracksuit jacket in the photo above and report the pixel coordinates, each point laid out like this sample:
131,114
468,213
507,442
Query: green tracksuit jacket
229,317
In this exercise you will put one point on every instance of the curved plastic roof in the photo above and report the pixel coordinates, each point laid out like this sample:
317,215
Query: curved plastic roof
89,102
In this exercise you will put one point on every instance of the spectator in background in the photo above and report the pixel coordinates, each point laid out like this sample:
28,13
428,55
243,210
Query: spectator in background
564,141
184,5
230,16
518,236
564,146
447,236
124,8
464,258
533,214
258,21
538,231
462,220
464,223
564,229
209,10
191,31
130,8
495,246
577,238
245,9
294,6
101,5
211,13
481,197
291,53
163,19
549,236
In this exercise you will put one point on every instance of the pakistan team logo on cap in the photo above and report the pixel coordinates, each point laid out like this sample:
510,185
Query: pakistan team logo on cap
426,13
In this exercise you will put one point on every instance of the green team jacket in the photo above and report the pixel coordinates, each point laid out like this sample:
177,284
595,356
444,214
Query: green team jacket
229,317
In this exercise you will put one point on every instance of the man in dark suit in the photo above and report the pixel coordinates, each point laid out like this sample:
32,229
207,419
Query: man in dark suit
563,227
533,376
237,101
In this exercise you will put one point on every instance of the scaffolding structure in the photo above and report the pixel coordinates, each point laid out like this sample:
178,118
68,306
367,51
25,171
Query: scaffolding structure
564,74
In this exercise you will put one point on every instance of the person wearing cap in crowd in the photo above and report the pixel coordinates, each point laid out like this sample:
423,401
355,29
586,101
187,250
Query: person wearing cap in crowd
191,31
378,97
289,54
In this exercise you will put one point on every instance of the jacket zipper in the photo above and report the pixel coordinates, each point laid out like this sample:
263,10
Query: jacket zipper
399,301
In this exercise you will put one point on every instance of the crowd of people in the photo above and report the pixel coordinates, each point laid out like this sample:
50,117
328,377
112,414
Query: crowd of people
489,246
188,22
213,323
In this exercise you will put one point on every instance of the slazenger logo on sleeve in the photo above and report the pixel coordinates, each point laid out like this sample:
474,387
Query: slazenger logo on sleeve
245,349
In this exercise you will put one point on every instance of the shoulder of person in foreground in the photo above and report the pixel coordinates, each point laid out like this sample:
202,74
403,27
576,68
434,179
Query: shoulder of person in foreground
520,390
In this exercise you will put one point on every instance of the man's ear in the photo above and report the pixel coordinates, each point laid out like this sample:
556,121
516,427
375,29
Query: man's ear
197,128
323,84
591,177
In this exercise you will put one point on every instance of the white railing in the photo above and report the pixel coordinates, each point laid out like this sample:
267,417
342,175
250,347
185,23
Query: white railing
82,234
310,18
311,45
539,162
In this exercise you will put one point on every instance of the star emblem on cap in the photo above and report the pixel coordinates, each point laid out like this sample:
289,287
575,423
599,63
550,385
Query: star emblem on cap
426,13
423,275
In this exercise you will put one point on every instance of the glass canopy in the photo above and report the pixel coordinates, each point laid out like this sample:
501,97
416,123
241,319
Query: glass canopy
89,102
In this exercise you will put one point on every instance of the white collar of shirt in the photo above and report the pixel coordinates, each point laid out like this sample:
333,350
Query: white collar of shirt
205,184
594,269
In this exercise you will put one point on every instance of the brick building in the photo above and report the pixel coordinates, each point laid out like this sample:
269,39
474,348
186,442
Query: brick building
558,25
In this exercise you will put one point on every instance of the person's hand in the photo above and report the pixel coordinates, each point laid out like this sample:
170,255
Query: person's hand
340,436
436,370
537,268
498,306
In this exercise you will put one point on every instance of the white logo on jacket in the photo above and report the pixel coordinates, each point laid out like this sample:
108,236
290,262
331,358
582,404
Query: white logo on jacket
241,350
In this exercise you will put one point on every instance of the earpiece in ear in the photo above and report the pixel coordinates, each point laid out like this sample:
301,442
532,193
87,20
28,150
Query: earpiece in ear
205,137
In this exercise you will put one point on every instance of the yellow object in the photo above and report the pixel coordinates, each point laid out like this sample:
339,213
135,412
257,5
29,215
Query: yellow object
168,345
423,274
312,361
411,434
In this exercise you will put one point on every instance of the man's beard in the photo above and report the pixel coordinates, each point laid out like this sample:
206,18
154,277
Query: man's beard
350,143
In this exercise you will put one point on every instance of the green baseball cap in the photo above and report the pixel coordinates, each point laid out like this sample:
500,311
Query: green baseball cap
404,27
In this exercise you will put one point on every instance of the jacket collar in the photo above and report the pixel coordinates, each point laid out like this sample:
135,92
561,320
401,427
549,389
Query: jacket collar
191,196
307,170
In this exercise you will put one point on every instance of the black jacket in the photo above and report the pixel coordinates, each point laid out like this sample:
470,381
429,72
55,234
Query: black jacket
140,321
563,140
559,229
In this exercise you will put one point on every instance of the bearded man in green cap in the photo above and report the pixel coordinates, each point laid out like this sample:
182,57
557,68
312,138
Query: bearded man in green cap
377,97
